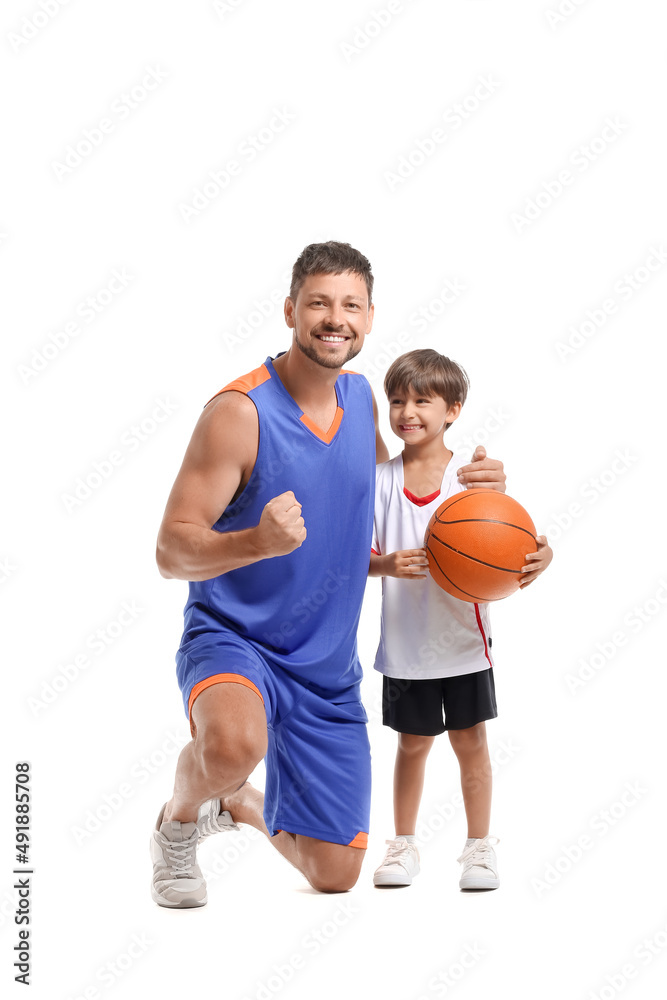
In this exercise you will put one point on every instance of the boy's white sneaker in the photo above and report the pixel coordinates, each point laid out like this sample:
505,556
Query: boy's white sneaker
211,819
177,878
480,867
400,865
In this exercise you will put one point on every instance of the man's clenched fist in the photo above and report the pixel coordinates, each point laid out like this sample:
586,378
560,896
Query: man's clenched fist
281,528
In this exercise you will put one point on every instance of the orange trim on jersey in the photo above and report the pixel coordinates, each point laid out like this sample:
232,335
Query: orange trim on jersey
220,679
244,383
318,432
361,840
347,371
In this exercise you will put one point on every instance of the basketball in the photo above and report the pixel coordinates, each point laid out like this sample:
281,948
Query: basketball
476,543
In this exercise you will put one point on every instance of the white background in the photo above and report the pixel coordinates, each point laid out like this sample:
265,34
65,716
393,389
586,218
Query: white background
361,98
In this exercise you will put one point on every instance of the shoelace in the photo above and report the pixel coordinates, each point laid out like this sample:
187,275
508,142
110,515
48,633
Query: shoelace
182,858
478,854
207,827
398,850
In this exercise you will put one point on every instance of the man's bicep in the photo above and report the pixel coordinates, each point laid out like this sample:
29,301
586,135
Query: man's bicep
223,444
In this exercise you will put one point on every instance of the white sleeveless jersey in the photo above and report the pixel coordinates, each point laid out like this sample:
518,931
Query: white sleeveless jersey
425,632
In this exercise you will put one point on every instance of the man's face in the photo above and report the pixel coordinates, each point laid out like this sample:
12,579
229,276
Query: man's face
330,318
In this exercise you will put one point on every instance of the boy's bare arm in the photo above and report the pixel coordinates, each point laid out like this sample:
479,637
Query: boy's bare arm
407,564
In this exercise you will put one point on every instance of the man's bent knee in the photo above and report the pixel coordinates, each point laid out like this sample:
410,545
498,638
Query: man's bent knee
330,867
229,753
230,730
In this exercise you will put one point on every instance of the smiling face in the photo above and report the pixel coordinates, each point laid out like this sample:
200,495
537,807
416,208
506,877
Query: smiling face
417,419
330,317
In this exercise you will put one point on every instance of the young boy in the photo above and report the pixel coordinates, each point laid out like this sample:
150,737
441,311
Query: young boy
435,650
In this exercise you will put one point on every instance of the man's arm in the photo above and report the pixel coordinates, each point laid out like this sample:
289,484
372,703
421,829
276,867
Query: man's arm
381,450
483,472
219,458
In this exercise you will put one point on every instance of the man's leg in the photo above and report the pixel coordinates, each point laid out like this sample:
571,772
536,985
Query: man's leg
229,741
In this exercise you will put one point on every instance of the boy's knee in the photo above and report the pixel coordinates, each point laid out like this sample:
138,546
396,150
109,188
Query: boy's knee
468,739
414,745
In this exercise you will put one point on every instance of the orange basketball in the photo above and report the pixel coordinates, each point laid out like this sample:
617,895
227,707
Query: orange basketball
477,542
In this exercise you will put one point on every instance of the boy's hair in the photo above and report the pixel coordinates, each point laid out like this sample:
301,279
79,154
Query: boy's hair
428,373
330,258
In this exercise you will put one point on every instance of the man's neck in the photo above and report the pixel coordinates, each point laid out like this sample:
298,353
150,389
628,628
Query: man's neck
308,383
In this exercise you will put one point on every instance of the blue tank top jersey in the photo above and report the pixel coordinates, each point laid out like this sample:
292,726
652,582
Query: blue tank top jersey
301,610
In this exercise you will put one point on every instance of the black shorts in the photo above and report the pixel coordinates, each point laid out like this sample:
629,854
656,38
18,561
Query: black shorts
417,707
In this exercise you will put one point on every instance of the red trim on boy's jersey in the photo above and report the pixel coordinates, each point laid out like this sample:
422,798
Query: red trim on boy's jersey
420,501
374,552
479,622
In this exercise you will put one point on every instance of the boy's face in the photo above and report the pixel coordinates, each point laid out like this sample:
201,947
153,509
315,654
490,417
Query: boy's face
418,419
330,317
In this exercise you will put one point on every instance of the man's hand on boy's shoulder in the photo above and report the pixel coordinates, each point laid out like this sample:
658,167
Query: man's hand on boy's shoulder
536,562
483,472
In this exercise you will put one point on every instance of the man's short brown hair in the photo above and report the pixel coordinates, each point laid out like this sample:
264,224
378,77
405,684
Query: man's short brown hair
330,258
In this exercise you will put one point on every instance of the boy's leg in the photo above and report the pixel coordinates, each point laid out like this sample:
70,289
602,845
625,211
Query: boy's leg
472,752
409,772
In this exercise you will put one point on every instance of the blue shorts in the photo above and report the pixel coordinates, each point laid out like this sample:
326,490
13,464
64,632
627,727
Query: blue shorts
318,773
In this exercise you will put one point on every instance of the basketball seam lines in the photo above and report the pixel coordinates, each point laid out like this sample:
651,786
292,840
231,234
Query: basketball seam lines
465,555
485,520
476,598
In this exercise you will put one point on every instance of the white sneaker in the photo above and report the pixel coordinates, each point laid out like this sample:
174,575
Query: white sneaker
480,867
177,878
210,820
400,865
